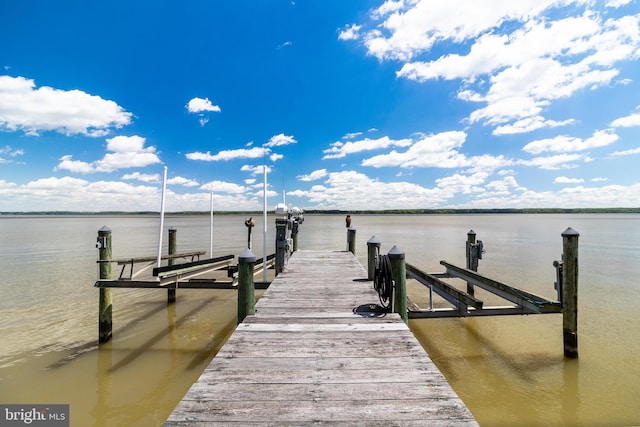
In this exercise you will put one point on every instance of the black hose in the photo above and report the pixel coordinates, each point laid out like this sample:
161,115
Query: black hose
383,280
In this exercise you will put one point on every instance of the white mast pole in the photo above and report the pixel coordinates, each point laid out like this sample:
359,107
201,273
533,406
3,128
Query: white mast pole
164,189
264,231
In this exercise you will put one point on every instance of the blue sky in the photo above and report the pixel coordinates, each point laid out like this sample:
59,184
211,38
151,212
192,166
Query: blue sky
355,104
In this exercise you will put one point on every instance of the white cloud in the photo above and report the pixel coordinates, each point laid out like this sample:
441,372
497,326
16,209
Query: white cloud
625,152
351,32
341,149
439,150
313,176
34,110
560,161
566,144
279,140
12,153
223,187
255,170
143,177
199,105
185,182
566,180
126,152
344,190
242,153
631,120
516,57
275,157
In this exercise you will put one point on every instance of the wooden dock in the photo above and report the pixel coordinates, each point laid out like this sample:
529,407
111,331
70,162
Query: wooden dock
315,353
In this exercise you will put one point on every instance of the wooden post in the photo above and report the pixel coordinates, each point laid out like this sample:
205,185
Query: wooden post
105,306
281,244
373,249
173,248
471,265
246,288
399,273
570,292
351,240
294,234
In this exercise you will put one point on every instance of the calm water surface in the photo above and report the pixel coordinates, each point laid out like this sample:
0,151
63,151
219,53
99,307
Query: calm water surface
510,371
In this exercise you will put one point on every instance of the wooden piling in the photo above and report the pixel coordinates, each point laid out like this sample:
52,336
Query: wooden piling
351,240
294,234
399,273
373,249
570,292
173,248
246,288
281,244
472,261
105,305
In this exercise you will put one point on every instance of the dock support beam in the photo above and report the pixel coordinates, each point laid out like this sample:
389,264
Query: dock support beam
105,306
373,249
246,287
399,273
351,240
570,292
173,248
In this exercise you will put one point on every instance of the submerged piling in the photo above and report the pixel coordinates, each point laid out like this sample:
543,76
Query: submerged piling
105,306
173,248
570,292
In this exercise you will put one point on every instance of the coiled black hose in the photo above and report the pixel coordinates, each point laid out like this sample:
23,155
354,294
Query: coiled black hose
383,280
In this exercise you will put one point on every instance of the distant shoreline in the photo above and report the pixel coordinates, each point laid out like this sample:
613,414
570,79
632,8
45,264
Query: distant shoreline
356,212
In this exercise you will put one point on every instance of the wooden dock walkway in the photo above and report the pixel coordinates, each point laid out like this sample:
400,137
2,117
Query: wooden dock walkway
314,354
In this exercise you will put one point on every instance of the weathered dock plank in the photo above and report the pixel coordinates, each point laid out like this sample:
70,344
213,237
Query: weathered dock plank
316,353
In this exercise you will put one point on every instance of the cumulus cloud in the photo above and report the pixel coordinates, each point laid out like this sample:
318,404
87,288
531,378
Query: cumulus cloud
23,107
567,180
566,144
125,152
279,140
226,155
631,120
223,187
143,177
344,190
313,176
199,105
341,149
439,150
515,57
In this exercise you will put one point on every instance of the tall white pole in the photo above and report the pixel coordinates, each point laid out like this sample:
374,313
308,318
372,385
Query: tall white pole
211,229
164,189
264,231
